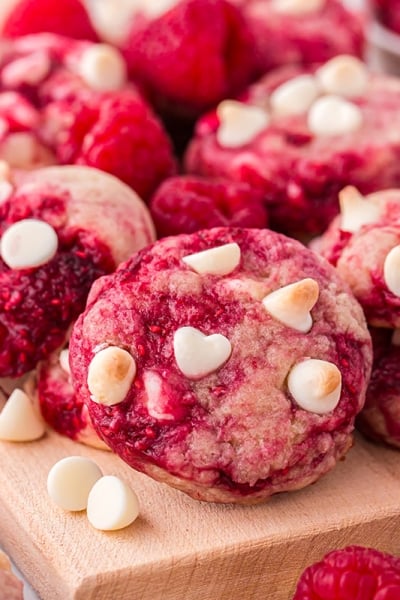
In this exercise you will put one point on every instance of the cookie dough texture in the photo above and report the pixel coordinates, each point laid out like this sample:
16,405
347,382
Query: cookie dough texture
235,434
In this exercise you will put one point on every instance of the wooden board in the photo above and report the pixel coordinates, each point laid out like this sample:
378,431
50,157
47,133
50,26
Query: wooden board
180,549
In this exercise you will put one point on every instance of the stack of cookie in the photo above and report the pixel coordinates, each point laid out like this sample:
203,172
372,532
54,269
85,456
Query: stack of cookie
227,360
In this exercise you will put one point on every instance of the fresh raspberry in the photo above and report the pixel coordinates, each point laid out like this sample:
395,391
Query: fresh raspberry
65,17
114,132
186,204
353,573
192,56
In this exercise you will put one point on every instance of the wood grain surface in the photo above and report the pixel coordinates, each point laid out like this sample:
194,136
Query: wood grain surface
181,549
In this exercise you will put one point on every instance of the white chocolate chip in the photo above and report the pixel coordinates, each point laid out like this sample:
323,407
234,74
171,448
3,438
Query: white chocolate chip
112,504
356,210
110,375
292,304
156,8
28,243
315,385
391,271
396,337
197,354
102,68
239,123
113,18
19,420
64,361
297,7
295,96
344,75
215,261
332,115
70,480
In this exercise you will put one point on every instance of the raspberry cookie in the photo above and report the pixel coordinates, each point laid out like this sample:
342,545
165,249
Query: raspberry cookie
186,204
61,228
75,105
229,363
363,243
301,135
380,417
302,31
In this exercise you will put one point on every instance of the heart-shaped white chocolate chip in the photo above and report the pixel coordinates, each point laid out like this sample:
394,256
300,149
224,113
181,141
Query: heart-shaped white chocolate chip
70,480
344,75
292,304
315,385
295,96
391,270
356,210
102,67
197,354
215,261
110,375
332,115
297,7
112,504
239,123
19,420
28,243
